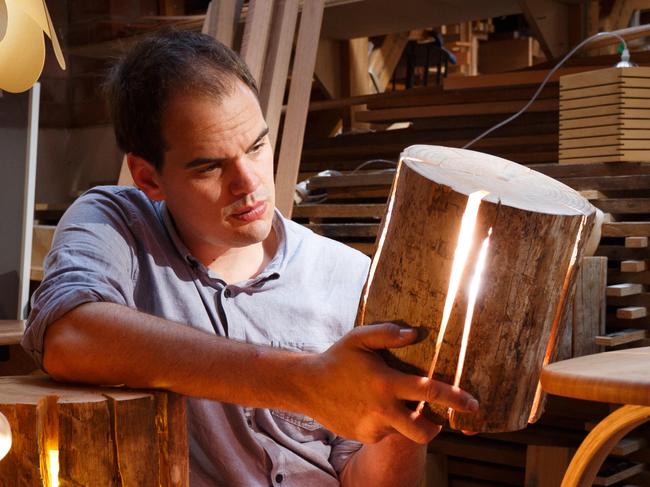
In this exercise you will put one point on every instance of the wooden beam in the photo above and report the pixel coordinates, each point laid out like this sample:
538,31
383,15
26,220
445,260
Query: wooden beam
299,93
384,59
220,21
278,56
545,465
256,36
359,79
328,67
549,21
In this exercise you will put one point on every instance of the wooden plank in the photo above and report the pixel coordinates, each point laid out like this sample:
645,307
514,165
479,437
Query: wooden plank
342,230
618,252
478,448
589,306
484,471
606,120
298,104
411,113
609,183
360,179
641,299
636,242
625,289
625,229
631,312
624,206
622,337
11,331
619,476
549,22
633,266
220,21
256,36
622,134
276,69
628,445
384,59
546,465
339,211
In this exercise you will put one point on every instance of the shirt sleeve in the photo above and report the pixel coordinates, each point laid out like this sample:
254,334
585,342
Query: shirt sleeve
91,260
342,451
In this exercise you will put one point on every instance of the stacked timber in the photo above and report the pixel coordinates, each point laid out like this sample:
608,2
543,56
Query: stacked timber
604,116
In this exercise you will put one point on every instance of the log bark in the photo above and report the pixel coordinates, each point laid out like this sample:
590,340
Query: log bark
538,227
102,436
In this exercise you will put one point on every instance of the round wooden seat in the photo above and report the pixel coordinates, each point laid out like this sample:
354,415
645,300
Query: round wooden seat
620,377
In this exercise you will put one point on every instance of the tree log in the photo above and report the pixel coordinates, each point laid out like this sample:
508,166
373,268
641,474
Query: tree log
92,436
537,228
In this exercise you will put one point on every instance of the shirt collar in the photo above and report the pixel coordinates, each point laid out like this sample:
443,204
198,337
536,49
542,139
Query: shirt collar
274,268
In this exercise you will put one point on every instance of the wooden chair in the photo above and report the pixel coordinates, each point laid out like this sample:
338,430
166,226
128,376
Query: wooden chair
619,377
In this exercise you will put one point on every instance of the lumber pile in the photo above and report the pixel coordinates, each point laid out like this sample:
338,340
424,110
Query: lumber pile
604,116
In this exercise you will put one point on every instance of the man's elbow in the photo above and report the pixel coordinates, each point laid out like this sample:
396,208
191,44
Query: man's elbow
58,350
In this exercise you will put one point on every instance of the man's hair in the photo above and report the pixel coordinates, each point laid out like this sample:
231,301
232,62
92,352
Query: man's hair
141,84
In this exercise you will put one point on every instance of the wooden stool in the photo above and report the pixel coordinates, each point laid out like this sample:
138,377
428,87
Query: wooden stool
620,377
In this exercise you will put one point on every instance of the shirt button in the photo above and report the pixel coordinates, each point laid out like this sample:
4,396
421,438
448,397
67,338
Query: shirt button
249,422
279,478
227,293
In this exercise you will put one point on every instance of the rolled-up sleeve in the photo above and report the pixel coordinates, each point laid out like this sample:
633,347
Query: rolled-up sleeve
91,260
342,450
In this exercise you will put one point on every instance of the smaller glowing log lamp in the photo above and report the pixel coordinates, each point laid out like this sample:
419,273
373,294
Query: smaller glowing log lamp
5,436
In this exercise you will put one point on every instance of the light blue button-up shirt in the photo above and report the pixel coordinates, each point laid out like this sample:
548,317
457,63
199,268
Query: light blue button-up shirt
115,245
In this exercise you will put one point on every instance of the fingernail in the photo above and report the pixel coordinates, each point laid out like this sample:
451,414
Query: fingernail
407,332
472,405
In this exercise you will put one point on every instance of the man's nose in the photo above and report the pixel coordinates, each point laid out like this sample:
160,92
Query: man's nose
245,180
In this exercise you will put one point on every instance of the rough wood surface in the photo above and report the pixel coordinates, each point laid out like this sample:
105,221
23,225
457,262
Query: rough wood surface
535,223
103,436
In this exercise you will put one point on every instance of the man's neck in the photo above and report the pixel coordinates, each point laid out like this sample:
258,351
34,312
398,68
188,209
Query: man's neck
242,263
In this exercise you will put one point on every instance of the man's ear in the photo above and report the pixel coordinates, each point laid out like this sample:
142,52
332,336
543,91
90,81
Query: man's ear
145,176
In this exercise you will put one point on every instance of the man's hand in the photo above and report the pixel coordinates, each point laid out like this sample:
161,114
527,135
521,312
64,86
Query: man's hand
358,396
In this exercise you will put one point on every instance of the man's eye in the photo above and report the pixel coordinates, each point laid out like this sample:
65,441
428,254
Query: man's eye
210,168
258,147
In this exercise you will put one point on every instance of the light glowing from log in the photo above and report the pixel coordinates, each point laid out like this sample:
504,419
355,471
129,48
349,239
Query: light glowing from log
5,436
474,289
463,247
53,467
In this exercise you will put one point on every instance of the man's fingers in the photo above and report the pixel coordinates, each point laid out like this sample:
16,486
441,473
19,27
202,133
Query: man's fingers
415,426
413,388
383,335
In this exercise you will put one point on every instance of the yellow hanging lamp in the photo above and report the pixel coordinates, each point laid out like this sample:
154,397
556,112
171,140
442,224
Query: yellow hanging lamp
22,44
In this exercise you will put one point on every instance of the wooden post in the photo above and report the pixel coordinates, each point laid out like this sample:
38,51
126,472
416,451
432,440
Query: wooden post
535,227
92,436
545,465
256,35
220,20
298,105
276,69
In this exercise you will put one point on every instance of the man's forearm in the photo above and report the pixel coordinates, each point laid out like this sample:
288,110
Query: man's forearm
104,343
395,460
348,388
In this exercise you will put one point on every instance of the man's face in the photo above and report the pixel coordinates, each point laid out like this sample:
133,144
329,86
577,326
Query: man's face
217,175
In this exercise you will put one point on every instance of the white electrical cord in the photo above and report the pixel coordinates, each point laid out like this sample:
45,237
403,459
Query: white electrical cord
625,62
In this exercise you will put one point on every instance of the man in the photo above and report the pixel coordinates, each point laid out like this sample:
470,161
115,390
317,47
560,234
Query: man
194,283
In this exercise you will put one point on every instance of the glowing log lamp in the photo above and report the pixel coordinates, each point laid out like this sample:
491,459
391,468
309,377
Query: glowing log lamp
22,45
481,253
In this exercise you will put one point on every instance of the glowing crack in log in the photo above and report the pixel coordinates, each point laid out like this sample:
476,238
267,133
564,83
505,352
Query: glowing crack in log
461,254
53,467
475,287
